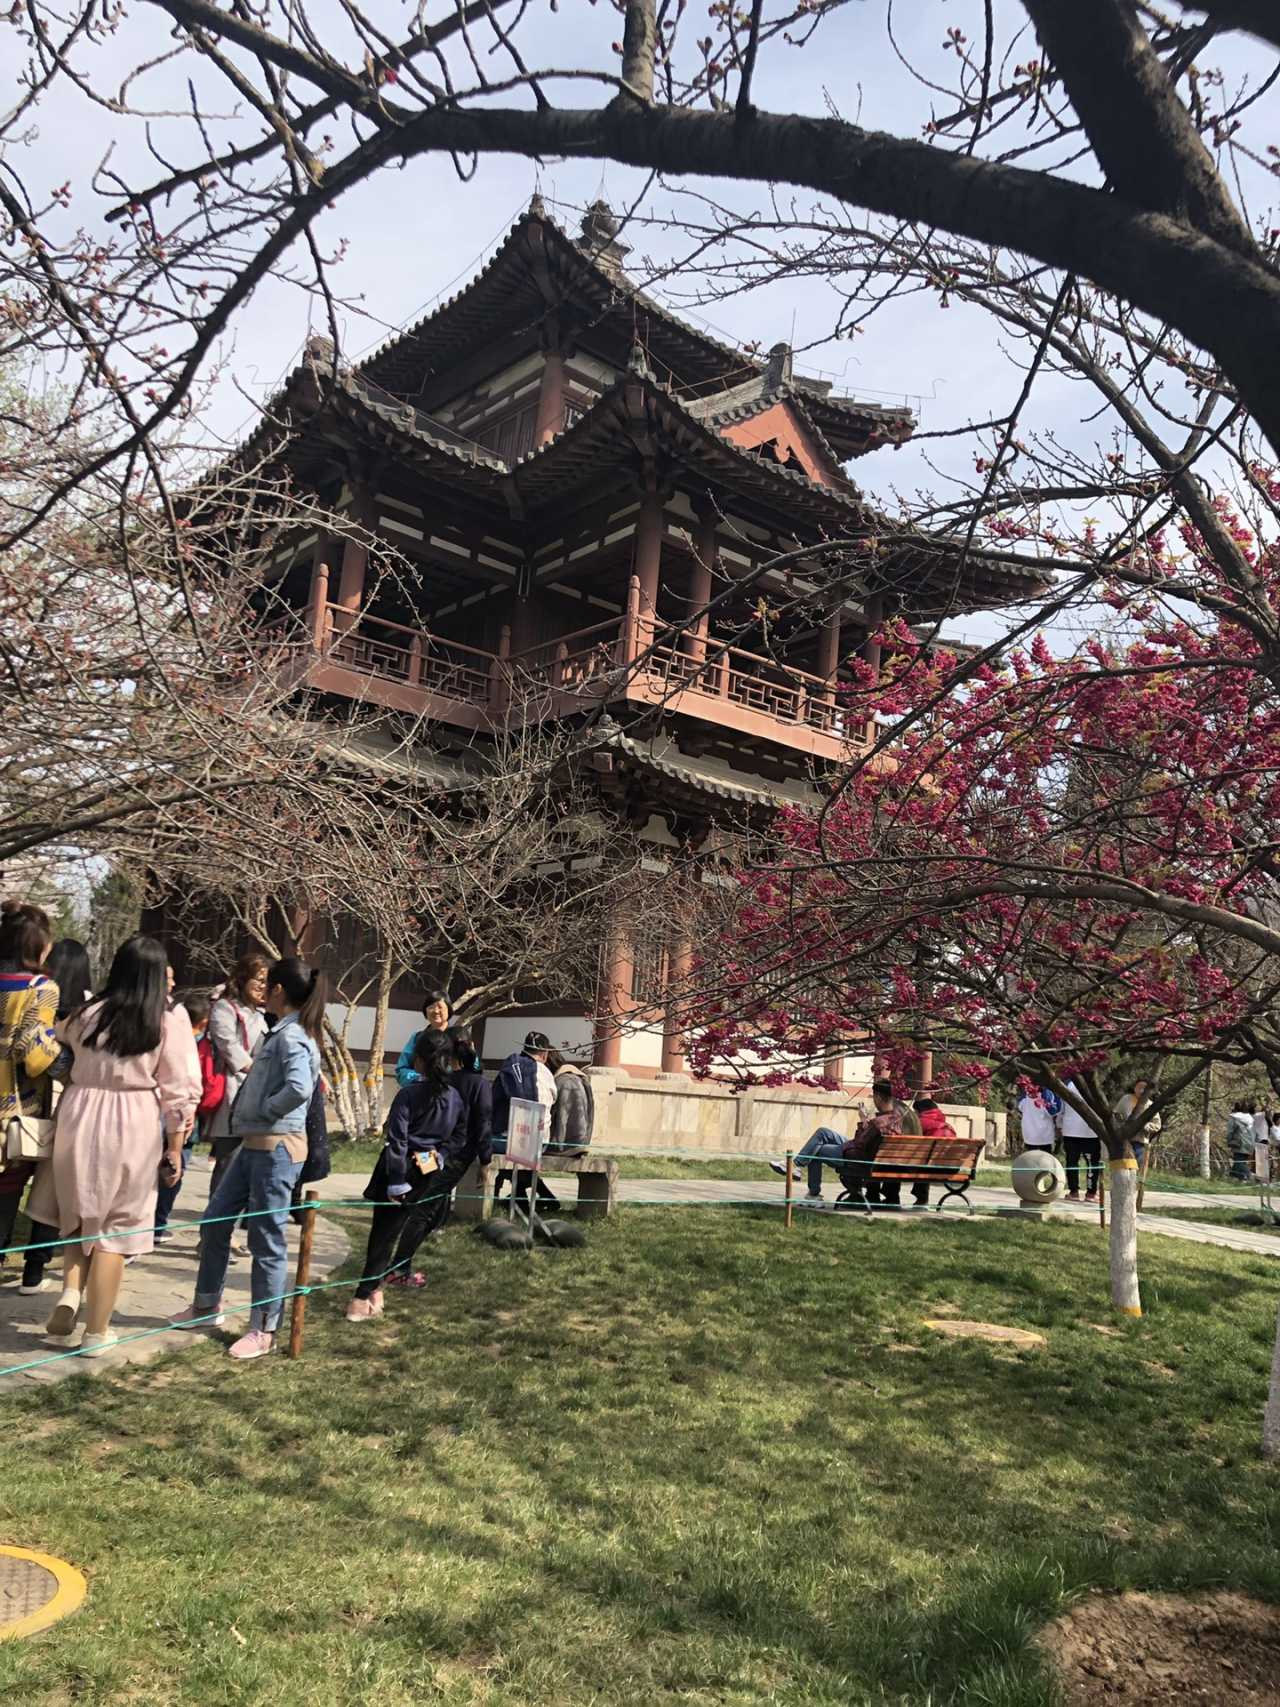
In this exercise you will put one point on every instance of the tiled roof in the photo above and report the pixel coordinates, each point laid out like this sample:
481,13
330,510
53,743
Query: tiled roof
703,775
506,284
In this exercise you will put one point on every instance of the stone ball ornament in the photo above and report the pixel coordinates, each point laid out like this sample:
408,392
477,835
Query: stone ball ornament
1039,1178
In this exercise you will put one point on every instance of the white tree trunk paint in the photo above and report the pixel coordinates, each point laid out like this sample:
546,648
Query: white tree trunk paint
1205,1169
1271,1416
1125,1296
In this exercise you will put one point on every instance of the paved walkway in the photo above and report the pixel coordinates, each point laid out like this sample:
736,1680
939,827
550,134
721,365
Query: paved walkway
155,1287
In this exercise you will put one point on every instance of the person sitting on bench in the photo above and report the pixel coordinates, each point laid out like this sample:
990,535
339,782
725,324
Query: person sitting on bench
829,1148
933,1124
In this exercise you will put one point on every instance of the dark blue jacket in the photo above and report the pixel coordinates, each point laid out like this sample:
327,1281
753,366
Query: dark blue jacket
477,1098
419,1120
517,1077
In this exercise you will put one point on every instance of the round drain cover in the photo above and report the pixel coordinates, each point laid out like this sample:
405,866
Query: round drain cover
35,1591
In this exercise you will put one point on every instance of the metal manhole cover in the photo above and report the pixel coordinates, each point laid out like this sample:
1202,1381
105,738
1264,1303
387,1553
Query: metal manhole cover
35,1591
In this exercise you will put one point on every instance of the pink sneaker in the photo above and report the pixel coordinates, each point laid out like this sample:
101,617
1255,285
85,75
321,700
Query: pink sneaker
196,1316
412,1281
256,1343
365,1309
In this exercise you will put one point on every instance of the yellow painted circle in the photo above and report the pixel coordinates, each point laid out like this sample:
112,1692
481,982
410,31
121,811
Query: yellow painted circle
69,1590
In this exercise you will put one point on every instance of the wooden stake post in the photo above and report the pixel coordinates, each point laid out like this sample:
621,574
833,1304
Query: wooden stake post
787,1218
298,1314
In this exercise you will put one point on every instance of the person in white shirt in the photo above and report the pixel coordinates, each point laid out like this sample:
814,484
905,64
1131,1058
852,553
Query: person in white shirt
1038,1111
1084,1148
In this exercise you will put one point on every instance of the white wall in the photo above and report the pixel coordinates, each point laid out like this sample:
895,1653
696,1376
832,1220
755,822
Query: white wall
504,1033
401,1025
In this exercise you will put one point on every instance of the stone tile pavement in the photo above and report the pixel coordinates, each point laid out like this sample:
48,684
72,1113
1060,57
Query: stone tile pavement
154,1288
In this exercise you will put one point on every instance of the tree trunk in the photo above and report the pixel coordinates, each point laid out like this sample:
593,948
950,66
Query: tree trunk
377,1043
343,1079
1271,1416
1125,1296
1206,1170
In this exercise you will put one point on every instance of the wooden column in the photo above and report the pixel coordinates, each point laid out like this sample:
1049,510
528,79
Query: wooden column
648,563
829,645
829,651
318,609
871,648
700,586
355,557
679,958
614,1000
550,417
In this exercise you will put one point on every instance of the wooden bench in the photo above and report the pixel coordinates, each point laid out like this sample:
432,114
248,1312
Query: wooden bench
948,1162
597,1184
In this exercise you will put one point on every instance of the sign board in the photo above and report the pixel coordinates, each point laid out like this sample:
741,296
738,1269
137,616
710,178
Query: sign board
526,1133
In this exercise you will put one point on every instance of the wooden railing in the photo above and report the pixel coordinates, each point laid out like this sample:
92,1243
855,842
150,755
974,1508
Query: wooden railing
377,647
594,663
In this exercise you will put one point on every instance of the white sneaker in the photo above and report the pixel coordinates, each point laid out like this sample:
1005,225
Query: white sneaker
41,1285
93,1345
813,1197
196,1317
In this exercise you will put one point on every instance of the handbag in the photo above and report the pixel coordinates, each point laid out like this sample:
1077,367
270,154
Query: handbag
27,1138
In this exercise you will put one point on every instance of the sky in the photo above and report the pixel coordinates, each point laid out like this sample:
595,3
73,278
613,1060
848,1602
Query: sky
411,237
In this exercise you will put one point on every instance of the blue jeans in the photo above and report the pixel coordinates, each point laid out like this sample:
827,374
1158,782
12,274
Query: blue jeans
254,1180
167,1195
826,1145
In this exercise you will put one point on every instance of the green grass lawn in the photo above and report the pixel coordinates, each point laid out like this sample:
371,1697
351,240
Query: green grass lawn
1250,1220
701,1461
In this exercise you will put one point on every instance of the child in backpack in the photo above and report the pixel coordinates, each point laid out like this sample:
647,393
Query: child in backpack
213,1087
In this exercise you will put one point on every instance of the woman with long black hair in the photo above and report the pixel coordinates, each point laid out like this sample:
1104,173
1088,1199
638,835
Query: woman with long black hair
135,1083
68,966
426,1137
270,1122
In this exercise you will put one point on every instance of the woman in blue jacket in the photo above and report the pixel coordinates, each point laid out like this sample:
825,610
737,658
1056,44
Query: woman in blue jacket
425,1154
435,1011
270,1119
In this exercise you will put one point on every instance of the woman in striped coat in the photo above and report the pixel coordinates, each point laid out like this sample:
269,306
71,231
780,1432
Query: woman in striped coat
28,1048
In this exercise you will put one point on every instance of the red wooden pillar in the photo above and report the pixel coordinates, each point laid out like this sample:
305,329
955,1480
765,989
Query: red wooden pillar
829,648
871,648
648,563
550,417
614,1001
318,609
631,623
355,559
700,585
679,959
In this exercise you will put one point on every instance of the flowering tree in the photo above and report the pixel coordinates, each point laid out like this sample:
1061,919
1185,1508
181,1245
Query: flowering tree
1049,861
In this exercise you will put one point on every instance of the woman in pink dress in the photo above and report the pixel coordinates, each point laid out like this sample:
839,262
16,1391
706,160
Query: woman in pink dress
135,1083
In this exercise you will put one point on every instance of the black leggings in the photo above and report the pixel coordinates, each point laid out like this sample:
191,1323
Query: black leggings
1082,1151
33,1262
397,1230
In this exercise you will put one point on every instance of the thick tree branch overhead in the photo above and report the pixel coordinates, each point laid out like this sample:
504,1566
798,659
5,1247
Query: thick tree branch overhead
1158,226
1142,135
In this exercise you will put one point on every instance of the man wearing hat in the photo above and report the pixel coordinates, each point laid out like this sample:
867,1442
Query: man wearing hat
524,1075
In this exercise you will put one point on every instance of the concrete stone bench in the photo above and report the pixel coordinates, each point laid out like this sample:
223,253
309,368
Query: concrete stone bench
597,1185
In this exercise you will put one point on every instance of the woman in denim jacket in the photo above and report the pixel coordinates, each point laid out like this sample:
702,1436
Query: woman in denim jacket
270,1120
